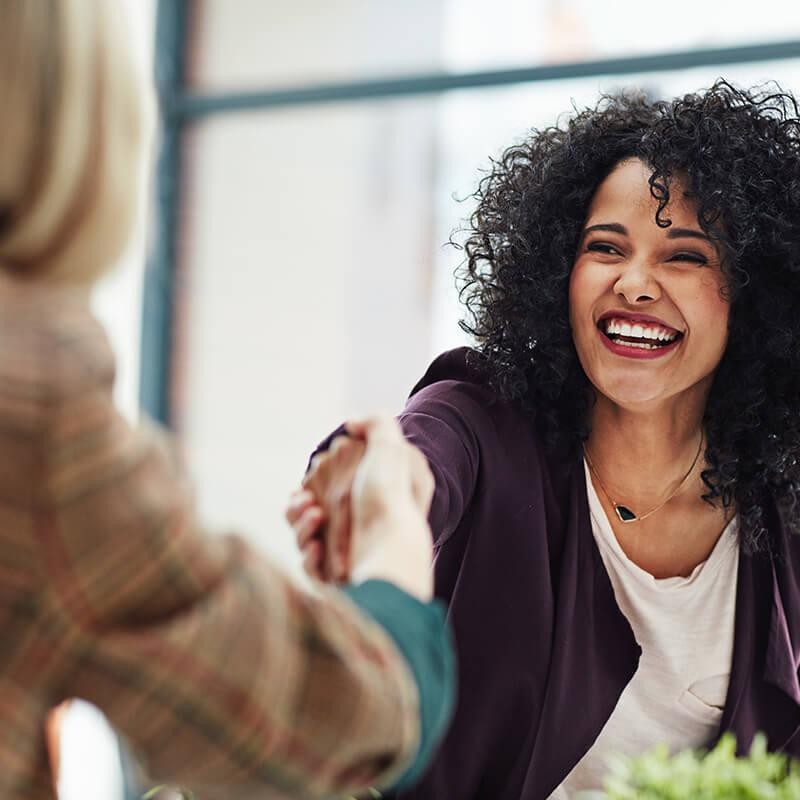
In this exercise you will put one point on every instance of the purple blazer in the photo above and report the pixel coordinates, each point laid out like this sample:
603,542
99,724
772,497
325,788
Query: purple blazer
544,651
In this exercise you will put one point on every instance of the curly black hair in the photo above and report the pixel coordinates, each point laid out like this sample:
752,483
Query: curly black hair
738,152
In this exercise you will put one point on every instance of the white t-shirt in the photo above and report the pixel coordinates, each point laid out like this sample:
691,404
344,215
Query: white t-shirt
685,629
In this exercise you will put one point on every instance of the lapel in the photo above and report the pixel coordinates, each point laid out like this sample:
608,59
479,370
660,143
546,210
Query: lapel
783,642
594,654
764,693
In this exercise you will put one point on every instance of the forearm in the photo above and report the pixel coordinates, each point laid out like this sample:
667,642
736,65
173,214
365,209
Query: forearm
224,675
258,687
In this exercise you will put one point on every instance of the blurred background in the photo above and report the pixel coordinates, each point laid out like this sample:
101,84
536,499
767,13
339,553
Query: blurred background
313,158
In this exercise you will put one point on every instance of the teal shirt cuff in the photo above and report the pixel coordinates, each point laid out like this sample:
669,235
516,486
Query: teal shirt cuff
422,635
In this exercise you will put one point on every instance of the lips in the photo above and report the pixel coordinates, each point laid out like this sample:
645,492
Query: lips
637,335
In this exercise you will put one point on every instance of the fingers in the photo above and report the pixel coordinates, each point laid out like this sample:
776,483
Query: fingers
342,449
338,444
371,475
308,525
321,510
299,501
306,518
305,515
312,559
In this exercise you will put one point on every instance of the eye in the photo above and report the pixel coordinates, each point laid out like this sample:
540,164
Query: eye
692,258
603,247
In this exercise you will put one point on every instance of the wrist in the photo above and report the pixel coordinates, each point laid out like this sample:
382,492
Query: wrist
397,549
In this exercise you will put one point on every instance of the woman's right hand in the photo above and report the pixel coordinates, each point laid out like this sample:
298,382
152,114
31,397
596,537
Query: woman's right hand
320,512
363,510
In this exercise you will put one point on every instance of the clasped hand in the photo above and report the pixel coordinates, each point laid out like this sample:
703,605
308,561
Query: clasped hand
362,510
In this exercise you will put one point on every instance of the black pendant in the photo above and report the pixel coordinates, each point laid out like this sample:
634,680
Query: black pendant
624,513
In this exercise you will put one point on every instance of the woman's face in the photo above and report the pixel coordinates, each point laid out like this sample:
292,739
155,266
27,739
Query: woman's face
648,318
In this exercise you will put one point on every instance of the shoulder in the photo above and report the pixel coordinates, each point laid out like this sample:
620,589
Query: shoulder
455,389
51,347
460,365
453,382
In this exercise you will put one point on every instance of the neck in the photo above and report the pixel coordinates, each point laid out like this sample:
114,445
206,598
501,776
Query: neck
640,457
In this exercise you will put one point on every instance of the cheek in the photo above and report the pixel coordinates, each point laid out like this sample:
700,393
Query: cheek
582,294
587,285
710,318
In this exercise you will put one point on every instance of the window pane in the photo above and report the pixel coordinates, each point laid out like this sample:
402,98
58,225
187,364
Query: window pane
506,33
309,256
256,44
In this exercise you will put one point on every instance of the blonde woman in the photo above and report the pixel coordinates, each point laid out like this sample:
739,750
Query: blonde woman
223,676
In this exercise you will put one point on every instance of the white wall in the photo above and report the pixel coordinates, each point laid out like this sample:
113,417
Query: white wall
308,251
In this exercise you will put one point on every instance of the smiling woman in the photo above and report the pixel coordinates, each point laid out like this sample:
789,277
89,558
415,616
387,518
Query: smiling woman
617,461
650,326
649,321
682,214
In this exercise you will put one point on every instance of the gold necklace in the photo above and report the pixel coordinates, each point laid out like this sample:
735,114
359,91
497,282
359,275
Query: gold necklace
623,512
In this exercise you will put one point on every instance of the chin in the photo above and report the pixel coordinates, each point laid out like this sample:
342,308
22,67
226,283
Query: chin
632,394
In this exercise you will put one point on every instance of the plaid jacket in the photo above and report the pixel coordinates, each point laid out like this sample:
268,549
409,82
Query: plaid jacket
224,677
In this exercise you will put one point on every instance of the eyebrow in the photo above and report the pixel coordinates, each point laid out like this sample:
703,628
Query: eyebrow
613,227
683,233
672,233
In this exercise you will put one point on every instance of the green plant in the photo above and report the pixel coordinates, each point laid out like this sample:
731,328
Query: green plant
716,775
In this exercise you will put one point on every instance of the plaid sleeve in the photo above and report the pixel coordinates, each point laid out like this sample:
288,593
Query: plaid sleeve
224,676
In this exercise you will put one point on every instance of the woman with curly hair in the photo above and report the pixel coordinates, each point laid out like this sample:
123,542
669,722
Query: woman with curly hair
616,461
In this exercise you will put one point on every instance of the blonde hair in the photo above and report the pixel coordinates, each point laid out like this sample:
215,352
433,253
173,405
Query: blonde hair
73,128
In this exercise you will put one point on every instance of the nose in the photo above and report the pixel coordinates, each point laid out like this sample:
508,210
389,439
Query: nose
637,284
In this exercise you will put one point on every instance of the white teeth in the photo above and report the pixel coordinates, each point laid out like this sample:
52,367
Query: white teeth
619,327
640,345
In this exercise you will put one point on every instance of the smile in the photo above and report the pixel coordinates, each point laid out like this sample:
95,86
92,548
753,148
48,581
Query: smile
638,338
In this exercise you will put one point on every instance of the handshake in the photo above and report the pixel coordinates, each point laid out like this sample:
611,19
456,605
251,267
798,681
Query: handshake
361,513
